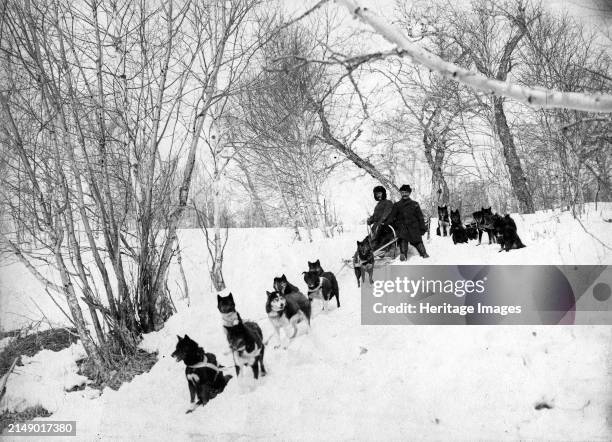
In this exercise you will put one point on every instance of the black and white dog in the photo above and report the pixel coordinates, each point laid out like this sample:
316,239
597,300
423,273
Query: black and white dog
457,231
227,308
321,287
283,286
293,296
506,234
286,313
245,339
484,223
204,376
442,221
329,276
363,261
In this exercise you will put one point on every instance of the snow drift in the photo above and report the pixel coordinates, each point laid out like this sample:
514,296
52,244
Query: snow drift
347,381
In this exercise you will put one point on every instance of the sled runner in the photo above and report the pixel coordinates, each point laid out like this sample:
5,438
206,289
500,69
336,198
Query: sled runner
388,248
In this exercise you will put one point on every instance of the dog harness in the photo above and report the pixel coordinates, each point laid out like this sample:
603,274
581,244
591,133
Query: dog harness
229,319
318,288
246,358
205,364
358,262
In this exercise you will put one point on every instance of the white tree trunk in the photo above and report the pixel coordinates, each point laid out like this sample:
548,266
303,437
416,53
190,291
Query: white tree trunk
542,98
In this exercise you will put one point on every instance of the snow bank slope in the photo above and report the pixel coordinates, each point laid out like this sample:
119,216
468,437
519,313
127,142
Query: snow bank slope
347,381
44,379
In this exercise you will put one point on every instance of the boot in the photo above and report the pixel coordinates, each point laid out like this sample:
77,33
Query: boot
403,249
421,249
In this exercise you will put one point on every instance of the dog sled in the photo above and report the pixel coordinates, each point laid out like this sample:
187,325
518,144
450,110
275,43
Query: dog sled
389,249
382,254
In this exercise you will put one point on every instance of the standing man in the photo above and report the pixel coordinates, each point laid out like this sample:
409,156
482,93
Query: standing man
409,222
379,217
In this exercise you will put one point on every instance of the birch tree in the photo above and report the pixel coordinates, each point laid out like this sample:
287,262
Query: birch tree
103,105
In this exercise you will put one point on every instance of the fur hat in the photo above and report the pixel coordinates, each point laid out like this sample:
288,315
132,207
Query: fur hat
405,188
382,190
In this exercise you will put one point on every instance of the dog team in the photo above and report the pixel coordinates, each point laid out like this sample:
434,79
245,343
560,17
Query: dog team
500,229
406,218
286,307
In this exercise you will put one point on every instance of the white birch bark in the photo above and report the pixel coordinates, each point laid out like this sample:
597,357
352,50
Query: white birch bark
541,98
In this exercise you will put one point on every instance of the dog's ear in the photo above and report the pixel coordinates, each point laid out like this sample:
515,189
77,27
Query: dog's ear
187,338
317,262
179,338
283,278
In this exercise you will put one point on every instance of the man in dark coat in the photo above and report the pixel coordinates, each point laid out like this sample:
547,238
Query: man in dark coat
409,223
380,235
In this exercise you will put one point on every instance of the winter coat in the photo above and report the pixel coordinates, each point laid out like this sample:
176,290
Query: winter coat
381,212
407,219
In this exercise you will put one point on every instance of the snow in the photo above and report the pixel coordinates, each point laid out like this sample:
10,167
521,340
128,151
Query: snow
4,342
347,381
223,293
44,379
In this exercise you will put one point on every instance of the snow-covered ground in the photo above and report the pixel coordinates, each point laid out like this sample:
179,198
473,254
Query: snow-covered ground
348,381
44,379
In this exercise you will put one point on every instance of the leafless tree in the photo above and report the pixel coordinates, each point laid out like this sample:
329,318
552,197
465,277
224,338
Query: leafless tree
574,145
103,105
278,129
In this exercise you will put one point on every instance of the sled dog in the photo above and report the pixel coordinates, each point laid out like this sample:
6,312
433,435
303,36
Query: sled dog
442,221
363,261
457,231
284,313
204,376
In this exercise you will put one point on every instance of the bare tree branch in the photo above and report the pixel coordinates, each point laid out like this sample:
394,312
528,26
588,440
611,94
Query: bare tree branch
533,97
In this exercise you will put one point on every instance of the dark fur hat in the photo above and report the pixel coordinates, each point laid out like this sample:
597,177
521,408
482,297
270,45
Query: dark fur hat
382,190
405,188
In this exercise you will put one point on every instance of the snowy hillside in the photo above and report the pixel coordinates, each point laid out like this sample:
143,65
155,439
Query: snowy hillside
347,381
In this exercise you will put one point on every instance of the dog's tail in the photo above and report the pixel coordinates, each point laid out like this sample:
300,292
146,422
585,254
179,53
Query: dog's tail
307,309
335,286
334,283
